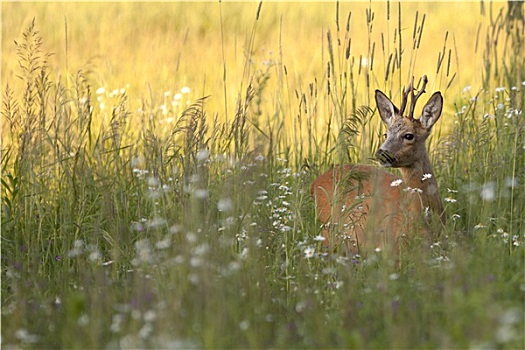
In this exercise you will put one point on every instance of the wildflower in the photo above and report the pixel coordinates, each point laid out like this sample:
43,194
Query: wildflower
450,200
451,191
201,193
95,255
185,90
393,276
83,320
488,192
78,248
511,182
225,204
378,250
500,89
203,155
319,238
309,252
163,244
175,229
101,90
479,226
26,337
456,216
413,190
396,183
244,325
153,181
143,252
338,284
150,316
426,177
285,228
146,330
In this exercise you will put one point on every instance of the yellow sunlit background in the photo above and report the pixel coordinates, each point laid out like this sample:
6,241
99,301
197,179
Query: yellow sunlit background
162,47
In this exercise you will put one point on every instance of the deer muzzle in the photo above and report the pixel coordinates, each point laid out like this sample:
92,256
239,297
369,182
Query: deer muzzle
385,158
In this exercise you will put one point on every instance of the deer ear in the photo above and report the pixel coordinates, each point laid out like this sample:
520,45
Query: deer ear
386,108
432,111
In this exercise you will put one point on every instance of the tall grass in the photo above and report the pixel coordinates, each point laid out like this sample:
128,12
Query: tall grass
172,226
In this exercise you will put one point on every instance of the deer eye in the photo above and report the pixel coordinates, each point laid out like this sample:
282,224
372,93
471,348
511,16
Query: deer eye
408,136
385,135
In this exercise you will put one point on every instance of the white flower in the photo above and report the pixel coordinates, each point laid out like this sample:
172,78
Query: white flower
393,276
153,181
185,90
319,238
309,252
156,222
488,192
244,325
201,193
396,183
450,200
413,190
225,204
426,177
203,155
285,228
101,90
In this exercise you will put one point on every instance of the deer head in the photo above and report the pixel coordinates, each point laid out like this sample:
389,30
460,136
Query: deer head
404,146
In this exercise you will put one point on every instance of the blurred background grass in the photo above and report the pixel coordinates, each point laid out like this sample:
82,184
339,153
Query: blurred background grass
169,45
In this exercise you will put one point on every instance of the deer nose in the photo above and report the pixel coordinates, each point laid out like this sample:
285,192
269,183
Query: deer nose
385,157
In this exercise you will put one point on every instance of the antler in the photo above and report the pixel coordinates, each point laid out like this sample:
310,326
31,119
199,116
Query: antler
409,88
415,96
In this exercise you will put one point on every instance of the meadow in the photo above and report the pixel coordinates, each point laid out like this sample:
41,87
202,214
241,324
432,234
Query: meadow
157,159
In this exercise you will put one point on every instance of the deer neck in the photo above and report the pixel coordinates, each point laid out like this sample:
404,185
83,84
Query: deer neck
416,177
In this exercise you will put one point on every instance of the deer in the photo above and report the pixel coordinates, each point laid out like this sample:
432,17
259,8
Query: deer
363,207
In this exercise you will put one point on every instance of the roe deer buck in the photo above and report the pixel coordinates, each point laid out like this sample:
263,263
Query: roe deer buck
367,207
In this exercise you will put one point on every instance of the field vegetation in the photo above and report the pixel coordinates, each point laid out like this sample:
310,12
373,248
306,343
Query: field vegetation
156,161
